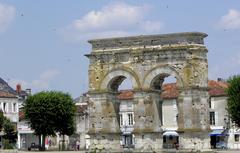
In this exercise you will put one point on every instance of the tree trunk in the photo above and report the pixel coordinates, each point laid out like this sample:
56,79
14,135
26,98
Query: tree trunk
63,144
39,141
43,142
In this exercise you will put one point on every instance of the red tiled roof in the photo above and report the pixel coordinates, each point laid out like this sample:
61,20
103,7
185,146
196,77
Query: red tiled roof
216,88
217,84
125,95
6,95
169,91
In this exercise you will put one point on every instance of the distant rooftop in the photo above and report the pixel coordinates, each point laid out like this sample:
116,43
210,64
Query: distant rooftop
6,91
216,88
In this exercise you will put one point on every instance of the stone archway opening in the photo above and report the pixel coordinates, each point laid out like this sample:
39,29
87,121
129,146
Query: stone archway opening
169,93
120,83
166,85
162,79
115,83
123,86
119,78
126,85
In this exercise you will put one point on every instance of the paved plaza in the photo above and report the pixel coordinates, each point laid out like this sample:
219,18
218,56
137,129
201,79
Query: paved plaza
169,151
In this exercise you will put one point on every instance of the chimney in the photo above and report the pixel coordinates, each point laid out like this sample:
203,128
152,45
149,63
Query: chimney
28,91
18,88
219,79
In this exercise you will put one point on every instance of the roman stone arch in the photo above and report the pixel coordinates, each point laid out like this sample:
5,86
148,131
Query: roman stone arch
155,76
146,61
114,78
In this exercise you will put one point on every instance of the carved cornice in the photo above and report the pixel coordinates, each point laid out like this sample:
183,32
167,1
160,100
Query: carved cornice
147,40
147,55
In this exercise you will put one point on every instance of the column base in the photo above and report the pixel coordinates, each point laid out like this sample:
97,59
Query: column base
194,140
101,142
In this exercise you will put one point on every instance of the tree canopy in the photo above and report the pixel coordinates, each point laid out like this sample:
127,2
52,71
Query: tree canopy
9,131
1,120
10,134
50,112
64,114
233,105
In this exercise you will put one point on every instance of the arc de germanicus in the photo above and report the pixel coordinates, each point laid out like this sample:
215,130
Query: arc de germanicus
146,61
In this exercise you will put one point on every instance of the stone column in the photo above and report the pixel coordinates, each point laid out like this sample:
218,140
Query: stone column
194,119
147,117
104,121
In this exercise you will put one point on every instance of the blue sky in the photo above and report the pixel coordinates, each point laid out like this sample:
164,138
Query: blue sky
42,43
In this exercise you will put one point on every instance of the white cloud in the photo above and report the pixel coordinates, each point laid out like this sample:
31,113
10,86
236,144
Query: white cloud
7,14
41,83
231,20
115,19
49,74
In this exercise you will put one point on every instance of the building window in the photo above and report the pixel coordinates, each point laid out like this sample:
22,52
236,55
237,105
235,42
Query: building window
212,118
14,107
127,141
210,103
164,139
121,119
4,107
236,137
130,119
174,105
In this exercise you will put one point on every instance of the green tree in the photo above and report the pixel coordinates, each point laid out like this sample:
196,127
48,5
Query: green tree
1,120
8,128
49,112
233,105
9,131
64,111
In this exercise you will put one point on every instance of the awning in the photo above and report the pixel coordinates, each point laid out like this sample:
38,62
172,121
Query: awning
218,132
87,136
170,133
237,132
126,133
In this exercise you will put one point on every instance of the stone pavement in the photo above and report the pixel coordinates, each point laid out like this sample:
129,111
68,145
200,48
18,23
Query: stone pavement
169,151
228,151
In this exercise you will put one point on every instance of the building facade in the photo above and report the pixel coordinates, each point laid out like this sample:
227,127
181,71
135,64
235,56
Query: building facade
82,122
224,133
126,119
9,101
9,104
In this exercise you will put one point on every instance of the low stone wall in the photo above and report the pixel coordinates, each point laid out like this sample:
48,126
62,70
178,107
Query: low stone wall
105,142
9,151
194,140
148,142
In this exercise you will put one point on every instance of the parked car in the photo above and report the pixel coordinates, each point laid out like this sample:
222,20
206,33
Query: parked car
34,147
221,145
